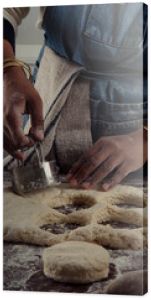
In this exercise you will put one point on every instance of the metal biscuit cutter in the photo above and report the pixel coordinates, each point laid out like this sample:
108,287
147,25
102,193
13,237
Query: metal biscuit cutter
37,176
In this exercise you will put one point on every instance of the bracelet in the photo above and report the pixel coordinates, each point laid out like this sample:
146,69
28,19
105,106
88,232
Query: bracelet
9,62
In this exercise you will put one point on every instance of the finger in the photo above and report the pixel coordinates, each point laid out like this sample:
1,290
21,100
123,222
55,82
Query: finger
14,126
89,168
87,164
36,133
19,155
116,178
8,145
86,167
100,146
12,151
35,109
8,140
92,151
12,144
102,171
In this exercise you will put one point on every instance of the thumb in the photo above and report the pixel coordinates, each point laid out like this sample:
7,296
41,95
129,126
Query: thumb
35,109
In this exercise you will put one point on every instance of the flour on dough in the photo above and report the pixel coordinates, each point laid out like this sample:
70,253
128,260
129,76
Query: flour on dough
76,262
26,219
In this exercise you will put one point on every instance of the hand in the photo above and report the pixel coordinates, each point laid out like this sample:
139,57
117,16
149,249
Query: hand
20,97
109,160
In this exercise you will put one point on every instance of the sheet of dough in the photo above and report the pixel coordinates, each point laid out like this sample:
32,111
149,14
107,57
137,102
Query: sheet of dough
24,217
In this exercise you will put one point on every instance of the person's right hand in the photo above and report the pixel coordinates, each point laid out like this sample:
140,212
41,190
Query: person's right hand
20,97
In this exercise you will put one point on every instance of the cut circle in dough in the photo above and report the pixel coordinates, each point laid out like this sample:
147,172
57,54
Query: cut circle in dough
76,262
53,215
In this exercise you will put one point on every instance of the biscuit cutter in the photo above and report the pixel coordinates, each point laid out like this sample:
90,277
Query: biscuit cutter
37,176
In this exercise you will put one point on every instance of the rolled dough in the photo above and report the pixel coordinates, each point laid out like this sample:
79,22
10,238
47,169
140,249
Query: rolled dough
76,262
27,218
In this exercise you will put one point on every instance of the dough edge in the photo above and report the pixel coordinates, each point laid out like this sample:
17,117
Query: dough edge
64,265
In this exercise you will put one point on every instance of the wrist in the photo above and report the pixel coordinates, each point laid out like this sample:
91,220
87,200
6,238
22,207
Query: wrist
11,63
13,73
140,137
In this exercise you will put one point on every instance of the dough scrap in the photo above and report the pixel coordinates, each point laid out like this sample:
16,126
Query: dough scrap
25,217
76,262
131,283
109,237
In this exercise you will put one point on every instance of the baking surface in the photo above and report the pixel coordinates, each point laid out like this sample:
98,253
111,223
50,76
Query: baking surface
23,268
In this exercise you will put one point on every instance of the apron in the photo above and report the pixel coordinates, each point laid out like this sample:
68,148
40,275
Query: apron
107,41
101,50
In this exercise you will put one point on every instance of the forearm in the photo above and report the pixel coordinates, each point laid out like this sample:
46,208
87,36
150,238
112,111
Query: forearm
8,50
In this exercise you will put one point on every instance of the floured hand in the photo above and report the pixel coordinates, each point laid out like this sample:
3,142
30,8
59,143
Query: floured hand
109,161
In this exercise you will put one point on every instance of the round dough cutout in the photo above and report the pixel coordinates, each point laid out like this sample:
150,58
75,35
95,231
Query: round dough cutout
76,262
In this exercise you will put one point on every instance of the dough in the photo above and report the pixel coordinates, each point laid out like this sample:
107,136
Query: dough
131,283
76,262
40,218
109,237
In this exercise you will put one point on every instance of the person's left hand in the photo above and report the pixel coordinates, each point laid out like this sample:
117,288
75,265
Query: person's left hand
109,160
